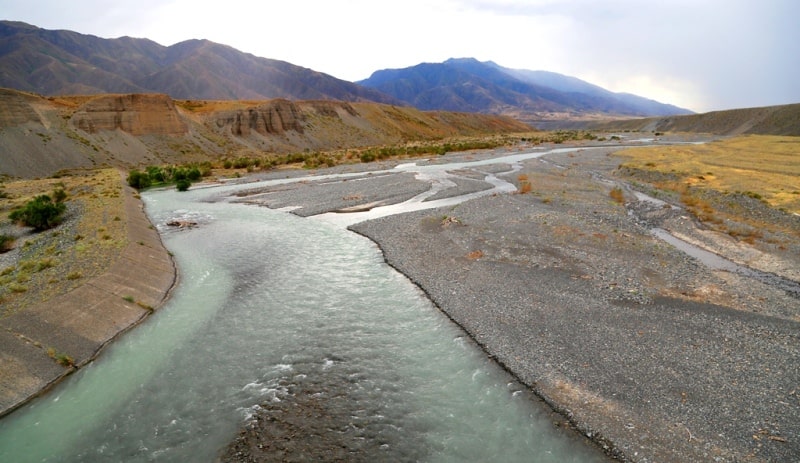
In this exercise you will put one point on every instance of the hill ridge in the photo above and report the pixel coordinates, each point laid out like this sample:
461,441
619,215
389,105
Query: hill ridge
40,136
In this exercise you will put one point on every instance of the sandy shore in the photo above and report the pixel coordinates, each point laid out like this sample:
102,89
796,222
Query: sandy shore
644,349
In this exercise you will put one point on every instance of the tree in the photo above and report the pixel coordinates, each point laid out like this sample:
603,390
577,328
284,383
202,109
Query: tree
183,184
139,180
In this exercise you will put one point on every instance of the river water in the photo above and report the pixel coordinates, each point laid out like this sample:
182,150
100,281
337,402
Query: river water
269,303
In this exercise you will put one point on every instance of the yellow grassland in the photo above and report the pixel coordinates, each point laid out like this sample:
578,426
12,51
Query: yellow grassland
767,167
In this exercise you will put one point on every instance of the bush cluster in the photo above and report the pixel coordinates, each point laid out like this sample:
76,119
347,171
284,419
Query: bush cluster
181,176
42,212
442,148
560,136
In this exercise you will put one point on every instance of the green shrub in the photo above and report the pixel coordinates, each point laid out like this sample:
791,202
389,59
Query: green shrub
156,174
41,213
139,180
183,184
193,174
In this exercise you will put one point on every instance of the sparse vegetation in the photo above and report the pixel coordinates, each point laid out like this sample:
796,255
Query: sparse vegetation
617,195
60,357
6,242
524,184
84,245
723,183
762,167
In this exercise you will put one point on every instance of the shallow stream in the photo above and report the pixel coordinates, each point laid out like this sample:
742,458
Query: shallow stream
269,302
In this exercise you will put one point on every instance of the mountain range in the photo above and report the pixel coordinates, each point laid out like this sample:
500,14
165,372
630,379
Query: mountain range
467,84
59,62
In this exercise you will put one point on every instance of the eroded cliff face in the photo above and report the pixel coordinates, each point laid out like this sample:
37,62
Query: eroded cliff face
17,108
272,118
136,114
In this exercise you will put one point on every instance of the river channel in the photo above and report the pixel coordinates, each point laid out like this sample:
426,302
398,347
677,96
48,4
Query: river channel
269,304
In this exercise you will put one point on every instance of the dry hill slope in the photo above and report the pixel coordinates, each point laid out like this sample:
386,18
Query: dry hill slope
769,120
40,136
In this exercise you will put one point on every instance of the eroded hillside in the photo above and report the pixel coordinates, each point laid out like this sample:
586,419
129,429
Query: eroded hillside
769,120
41,136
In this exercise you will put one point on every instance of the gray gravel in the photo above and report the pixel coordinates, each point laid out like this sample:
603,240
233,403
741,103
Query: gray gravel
650,353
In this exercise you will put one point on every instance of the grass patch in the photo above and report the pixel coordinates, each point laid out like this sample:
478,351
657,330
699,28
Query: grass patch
60,357
15,287
524,184
146,307
617,195
742,186
759,166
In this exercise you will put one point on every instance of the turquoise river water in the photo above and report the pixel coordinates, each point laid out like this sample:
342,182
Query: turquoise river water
268,301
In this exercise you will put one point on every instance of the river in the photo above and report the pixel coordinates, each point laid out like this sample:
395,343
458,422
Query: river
268,304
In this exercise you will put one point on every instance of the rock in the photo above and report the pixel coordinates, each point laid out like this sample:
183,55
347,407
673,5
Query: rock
181,223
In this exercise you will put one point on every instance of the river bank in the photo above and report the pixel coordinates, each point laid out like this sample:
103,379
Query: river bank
641,347
49,340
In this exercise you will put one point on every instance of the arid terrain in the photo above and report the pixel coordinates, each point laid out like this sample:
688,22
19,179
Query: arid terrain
649,351
644,348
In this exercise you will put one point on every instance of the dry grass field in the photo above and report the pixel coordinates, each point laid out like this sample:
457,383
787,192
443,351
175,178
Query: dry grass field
43,265
731,185
761,166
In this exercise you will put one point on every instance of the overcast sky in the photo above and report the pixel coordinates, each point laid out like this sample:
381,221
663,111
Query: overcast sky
699,54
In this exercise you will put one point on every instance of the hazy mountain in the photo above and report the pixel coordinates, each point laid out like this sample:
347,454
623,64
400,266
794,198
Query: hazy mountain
63,62
470,85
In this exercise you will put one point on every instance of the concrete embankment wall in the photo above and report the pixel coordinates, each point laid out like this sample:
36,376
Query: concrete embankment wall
80,323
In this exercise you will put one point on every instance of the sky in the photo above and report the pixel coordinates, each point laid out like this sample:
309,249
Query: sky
703,55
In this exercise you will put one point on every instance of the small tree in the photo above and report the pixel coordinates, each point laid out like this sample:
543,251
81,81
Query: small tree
183,184
139,180
40,213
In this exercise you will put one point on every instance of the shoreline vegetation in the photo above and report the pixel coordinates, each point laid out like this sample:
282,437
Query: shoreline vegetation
722,188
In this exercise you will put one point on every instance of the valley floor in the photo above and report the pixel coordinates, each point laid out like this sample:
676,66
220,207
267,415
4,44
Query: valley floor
642,348
650,353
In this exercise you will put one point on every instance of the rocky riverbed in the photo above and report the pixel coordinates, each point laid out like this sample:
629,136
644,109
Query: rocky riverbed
639,346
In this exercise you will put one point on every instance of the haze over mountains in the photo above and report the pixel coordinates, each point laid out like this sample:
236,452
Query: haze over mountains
470,85
64,62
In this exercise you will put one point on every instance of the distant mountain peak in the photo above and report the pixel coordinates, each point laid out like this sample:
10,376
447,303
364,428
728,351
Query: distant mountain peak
64,62
467,84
